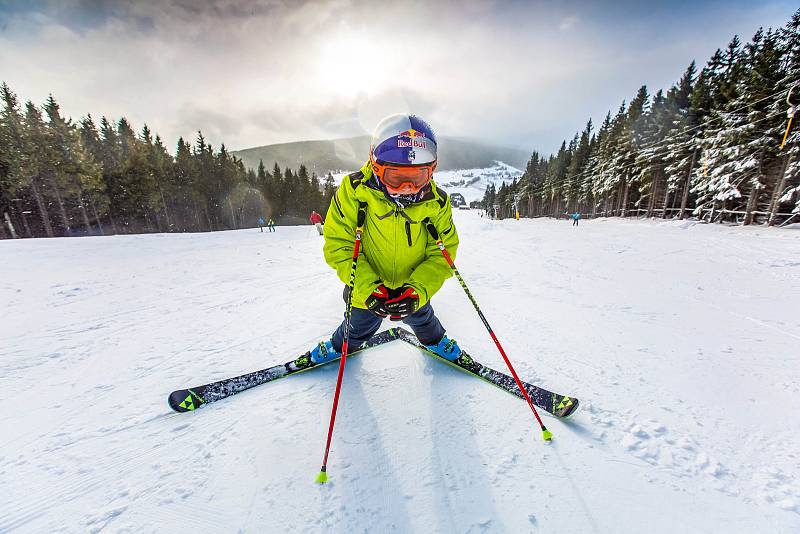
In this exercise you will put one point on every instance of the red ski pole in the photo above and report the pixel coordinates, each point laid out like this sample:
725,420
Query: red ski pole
546,434
323,472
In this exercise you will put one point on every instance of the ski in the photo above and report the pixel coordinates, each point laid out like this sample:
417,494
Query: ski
558,405
187,400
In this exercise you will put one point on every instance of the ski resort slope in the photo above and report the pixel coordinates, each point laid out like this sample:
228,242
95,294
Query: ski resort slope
681,340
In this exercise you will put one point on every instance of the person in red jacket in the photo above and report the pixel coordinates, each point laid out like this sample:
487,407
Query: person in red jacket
316,220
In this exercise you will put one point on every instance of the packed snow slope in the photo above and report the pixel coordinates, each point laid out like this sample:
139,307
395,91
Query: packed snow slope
680,339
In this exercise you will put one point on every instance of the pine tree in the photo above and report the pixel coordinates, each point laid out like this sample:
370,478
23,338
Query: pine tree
328,190
35,161
736,157
111,160
609,182
787,180
627,149
58,153
288,189
648,172
187,191
302,197
575,191
679,147
591,184
13,179
261,178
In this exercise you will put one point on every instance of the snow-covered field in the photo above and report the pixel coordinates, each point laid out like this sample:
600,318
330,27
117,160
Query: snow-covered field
680,339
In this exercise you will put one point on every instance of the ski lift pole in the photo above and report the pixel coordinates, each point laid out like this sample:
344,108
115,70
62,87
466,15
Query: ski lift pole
546,434
790,113
362,215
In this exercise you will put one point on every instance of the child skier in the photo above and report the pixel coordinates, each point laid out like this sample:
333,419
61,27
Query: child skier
261,223
271,225
400,267
576,217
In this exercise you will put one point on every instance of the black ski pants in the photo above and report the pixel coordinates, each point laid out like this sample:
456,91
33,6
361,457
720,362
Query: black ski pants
364,324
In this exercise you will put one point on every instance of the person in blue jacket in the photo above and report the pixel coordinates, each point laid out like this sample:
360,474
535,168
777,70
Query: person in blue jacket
575,218
261,223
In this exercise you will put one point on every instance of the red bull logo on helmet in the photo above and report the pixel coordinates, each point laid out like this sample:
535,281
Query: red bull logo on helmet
412,133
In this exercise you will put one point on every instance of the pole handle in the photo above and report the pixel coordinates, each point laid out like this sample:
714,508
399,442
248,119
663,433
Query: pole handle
362,214
431,229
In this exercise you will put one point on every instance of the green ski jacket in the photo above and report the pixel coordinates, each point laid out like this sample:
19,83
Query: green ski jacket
395,246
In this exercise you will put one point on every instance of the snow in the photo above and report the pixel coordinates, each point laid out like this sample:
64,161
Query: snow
681,339
469,182
472,182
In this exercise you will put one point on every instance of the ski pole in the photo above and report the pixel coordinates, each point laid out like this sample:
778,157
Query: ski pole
546,434
323,472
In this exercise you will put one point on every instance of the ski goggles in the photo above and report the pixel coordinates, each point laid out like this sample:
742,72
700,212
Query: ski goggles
403,179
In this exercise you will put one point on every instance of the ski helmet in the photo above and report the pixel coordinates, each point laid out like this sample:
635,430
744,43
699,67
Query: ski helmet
403,153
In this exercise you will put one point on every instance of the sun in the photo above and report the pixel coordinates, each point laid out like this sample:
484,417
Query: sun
352,64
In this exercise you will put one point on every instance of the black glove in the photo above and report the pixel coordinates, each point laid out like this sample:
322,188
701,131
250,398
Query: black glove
403,302
376,302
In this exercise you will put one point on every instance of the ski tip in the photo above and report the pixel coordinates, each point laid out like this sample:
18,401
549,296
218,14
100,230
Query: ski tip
547,435
575,409
322,477
184,400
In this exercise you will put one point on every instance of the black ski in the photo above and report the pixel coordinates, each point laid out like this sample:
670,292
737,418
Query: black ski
554,403
186,400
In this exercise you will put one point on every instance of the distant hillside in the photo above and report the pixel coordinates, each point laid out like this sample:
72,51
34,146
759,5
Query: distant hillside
349,154
471,183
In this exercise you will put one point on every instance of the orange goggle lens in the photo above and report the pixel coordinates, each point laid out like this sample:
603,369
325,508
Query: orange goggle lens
404,180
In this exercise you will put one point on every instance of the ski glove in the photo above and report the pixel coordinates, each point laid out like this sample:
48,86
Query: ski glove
376,302
403,303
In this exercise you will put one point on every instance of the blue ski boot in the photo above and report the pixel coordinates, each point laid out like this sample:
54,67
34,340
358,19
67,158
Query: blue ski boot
446,348
324,352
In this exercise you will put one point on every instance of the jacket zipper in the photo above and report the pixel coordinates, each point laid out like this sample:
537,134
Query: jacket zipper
394,256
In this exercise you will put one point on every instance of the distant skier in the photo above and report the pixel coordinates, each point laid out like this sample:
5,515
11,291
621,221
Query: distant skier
400,267
271,225
261,223
575,218
316,220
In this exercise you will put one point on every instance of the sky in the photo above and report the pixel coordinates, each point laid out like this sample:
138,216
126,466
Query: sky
247,73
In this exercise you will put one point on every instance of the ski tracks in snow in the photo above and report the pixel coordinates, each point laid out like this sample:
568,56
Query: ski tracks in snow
680,343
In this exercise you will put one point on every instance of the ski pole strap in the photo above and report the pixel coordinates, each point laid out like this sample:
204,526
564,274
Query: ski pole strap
361,218
439,243
431,229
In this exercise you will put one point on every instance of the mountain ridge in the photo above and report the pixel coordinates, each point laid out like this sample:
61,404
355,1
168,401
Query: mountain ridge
348,154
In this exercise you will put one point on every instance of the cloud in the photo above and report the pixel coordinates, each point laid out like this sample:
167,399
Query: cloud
250,73
568,23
